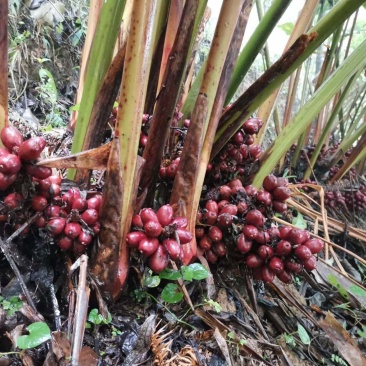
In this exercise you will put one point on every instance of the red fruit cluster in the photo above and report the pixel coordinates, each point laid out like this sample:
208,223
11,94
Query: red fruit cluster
159,236
169,168
19,154
239,153
281,253
352,200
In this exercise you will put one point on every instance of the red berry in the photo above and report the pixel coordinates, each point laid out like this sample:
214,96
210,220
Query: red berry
184,236
199,232
281,193
267,274
65,243
276,265
148,214
173,248
285,232
251,191
153,228
84,238
255,217
6,181
270,183
253,261
278,206
251,126
165,215
242,207
72,230
31,149
303,252
56,226
211,256
137,222
225,192
265,251
13,200
205,243
215,233
250,231
56,179
159,260
180,222
219,248
212,206
224,221
11,137
52,211
79,204
310,264
90,216
40,222
10,164
262,237
293,266
211,217
315,245
283,248
40,172
230,209
243,244
264,198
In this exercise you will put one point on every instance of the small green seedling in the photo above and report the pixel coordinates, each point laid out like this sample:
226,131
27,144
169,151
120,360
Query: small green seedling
11,305
39,333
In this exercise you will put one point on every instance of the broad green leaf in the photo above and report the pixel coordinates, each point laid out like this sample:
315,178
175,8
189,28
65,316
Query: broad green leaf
199,271
152,281
334,282
94,317
289,339
287,27
170,274
187,272
357,291
299,221
39,332
303,334
171,293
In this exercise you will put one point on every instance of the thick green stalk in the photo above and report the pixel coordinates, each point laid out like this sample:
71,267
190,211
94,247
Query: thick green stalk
255,44
100,58
305,116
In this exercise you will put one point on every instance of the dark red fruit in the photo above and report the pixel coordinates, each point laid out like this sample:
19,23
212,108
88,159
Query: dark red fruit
211,217
40,172
94,202
212,206
224,221
310,264
10,164
96,228
180,222
315,245
133,238
298,236
276,265
230,209
13,200
152,228
242,207
267,274
68,199
39,203
211,256
79,204
11,137
56,226
243,244
265,251
215,233
251,191
148,214
72,230
52,211
262,237
253,261
281,193
293,266
255,150
205,243
173,248
284,276
251,126
270,183
199,232
303,253
285,232
65,243
171,171
184,236
282,182
90,216
165,215
84,238
40,222
283,248
255,217
278,206
6,181
56,179
219,248
235,183
264,198
137,222
250,231
55,190
225,192
159,260
273,232
44,184
31,149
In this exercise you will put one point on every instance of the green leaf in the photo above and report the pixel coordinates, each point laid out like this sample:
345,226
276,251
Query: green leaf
303,334
39,332
287,27
96,318
74,107
289,339
334,282
171,293
230,335
215,305
299,221
357,291
242,342
152,281
170,274
199,271
187,273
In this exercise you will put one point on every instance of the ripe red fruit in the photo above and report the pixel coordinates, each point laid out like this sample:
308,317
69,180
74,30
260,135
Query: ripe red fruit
282,182
303,253
137,222
211,217
96,228
251,126
230,209
278,206
270,182
56,179
243,244
264,198
267,274
68,199
219,248
65,243
31,149
212,206
153,228
225,192
54,190
40,222
184,236
310,264
10,164
253,261
148,214
39,203
283,248
52,211
242,207
255,150
284,276
244,150
72,230
238,138
56,226
262,237
273,232
315,245
251,191
222,204
281,193
171,170
173,248
133,238
265,251
44,184
224,221
276,265
255,217
159,260
293,266
39,172
79,204
13,200
165,215
94,202
215,233
180,222
298,236
6,181
285,232
211,256
11,137
205,243
90,216
84,238
199,232
250,231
